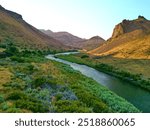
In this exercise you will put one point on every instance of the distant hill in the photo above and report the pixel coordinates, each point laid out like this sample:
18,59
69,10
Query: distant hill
130,39
74,41
65,37
13,26
91,43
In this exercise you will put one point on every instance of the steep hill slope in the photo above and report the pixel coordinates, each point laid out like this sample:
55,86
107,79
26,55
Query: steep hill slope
130,39
23,34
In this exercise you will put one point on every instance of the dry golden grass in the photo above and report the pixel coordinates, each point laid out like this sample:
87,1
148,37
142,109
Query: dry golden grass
49,68
135,66
1,49
112,43
137,49
130,40
5,76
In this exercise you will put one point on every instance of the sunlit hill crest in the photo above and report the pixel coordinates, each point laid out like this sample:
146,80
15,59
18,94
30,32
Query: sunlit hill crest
130,39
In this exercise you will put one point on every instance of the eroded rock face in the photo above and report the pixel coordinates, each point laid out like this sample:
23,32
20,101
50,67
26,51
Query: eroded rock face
118,30
127,26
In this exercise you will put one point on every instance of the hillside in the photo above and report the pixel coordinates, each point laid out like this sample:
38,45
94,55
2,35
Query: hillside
13,27
91,43
130,39
65,37
74,41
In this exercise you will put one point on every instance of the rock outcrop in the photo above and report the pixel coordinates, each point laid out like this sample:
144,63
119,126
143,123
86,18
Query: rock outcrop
126,26
130,39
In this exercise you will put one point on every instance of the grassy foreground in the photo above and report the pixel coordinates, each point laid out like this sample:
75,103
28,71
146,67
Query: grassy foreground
31,83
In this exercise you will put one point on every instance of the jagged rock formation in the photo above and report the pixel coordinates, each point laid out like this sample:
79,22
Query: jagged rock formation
126,26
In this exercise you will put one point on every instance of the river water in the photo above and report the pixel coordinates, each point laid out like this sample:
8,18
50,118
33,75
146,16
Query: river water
135,95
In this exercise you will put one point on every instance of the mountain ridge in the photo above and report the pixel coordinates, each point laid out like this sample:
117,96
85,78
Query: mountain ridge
127,39
11,13
25,35
74,41
63,36
127,26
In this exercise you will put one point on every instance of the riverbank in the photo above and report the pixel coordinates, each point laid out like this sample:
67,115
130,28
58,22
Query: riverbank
115,102
135,79
31,83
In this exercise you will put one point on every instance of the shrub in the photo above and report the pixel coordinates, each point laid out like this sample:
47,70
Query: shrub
104,67
13,50
16,95
71,106
39,81
31,67
1,99
91,101
35,106
15,84
58,96
4,106
84,56
43,94
3,55
18,59
14,110
32,101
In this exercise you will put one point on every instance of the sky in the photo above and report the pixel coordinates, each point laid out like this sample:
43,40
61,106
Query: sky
83,18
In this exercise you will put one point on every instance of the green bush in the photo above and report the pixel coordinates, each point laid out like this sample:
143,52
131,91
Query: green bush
39,81
18,59
1,99
14,110
58,96
104,67
4,106
3,55
84,56
15,85
16,95
31,67
34,106
70,107
27,101
91,101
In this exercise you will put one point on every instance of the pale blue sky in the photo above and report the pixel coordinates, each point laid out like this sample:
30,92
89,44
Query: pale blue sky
83,18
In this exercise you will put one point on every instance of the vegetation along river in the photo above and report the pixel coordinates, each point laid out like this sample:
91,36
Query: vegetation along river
135,95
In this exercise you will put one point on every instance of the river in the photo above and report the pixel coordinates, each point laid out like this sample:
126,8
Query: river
137,96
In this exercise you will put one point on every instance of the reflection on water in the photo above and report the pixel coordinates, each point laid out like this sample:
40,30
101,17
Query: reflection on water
136,95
